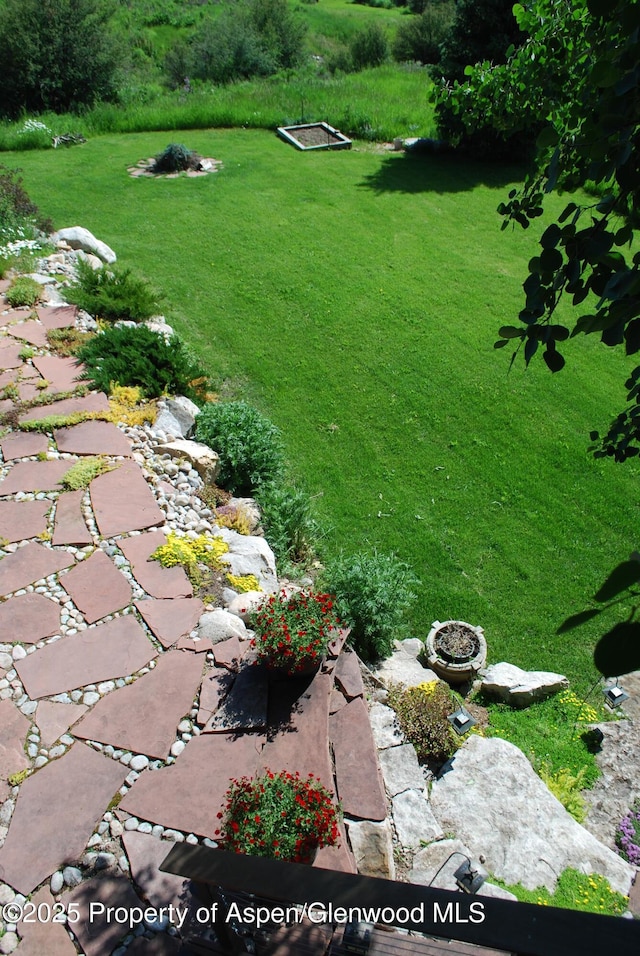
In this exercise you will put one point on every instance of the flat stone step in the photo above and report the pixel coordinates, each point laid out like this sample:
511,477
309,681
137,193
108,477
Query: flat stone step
97,588
30,564
73,791
57,317
44,936
61,373
145,854
29,618
32,332
245,706
102,933
298,729
23,445
92,402
123,501
54,719
69,526
187,795
34,476
10,354
92,438
14,727
143,717
358,775
213,690
23,519
169,620
157,581
100,653
348,676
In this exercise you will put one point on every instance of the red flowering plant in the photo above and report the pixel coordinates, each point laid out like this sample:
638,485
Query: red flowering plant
278,815
293,630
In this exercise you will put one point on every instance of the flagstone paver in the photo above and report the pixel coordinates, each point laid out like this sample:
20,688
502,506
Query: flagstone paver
55,813
61,373
348,676
23,519
143,717
92,402
57,317
100,653
229,653
14,728
214,689
360,785
157,581
14,315
69,526
10,354
171,620
187,795
32,332
23,445
54,719
97,588
298,736
29,618
44,937
123,501
6,405
29,564
9,377
145,854
159,945
34,476
245,706
97,931
339,857
92,438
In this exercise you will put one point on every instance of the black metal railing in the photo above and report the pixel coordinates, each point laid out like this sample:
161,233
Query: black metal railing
518,928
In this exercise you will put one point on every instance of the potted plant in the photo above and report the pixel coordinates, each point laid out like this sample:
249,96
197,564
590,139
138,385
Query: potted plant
456,651
292,631
279,815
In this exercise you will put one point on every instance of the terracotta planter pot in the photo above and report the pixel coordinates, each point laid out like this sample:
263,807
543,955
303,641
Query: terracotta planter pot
456,651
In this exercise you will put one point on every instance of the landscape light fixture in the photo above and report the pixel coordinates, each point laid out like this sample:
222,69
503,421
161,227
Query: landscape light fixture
461,721
357,937
467,878
614,696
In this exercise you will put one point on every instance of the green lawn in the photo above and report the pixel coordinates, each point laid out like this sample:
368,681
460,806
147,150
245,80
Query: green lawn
355,298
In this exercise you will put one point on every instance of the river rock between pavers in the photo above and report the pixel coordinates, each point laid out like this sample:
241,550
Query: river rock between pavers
489,795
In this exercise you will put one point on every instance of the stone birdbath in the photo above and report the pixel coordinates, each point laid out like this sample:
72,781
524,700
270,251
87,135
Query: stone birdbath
456,651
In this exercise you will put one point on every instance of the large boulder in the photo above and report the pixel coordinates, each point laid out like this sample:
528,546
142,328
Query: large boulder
219,625
403,668
250,554
519,688
435,865
489,795
79,238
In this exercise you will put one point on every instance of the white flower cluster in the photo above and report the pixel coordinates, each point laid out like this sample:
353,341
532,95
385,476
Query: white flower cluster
33,126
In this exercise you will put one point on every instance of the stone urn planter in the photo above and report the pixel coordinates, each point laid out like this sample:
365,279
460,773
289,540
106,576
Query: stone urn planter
456,651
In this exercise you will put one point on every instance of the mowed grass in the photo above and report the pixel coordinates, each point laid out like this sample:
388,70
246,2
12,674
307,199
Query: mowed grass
355,298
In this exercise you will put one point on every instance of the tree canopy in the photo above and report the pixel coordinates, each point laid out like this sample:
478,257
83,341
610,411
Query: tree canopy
55,54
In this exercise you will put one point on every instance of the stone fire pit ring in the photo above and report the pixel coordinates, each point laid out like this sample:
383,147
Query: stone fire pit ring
456,650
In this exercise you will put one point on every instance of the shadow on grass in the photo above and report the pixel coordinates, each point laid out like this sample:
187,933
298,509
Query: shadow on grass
445,173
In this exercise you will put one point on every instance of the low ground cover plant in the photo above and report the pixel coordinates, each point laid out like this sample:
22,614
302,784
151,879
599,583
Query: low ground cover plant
112,293
587,892
422,713
83,472
373,593
249,445
279,815
23,291
555,736
191,553
293,630
138,356
628,835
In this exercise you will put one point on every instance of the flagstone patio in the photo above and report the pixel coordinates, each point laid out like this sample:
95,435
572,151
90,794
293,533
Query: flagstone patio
120,729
